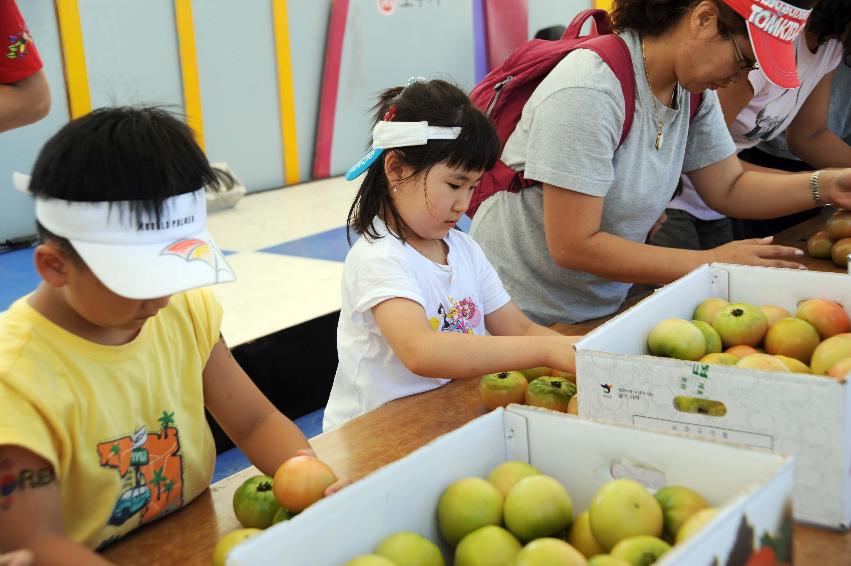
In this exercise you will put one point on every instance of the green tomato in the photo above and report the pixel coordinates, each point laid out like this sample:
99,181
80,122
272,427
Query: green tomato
254,502
283,514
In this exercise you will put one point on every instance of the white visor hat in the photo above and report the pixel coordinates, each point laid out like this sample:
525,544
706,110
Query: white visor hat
388,134
138,257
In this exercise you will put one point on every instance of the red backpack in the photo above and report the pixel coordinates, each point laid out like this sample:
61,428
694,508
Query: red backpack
505,90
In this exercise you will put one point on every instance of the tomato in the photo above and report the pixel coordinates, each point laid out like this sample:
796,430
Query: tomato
537,506
500,389
828,317
254,502
740,323
229,542
302,481
839,252
819,244
552,392
282,515
839,225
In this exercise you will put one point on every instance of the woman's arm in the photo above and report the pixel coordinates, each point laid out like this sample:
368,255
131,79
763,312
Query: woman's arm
728,189
24,102
809,136
465,356
581,245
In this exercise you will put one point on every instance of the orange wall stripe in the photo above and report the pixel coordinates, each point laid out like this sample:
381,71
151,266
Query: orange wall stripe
286,94
73,57
189,68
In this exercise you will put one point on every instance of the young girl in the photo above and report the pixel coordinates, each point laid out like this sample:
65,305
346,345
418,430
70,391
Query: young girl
419,296
757,110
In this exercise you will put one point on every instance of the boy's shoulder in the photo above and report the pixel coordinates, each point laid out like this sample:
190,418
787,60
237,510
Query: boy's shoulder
25,334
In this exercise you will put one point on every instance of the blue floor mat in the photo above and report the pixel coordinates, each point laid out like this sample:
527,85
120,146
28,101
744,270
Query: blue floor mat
330,245
233,460
18,275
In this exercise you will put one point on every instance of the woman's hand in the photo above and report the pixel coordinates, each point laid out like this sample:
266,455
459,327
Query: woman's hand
756,251
836,187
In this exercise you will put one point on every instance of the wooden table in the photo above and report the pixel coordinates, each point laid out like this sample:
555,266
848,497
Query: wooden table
385,435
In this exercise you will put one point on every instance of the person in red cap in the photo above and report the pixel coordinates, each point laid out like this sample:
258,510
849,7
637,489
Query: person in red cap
569,247
756,111
772,28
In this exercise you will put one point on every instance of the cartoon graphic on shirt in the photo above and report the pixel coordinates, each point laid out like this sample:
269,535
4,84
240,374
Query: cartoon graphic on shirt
151,469
767,122
460,316
18,43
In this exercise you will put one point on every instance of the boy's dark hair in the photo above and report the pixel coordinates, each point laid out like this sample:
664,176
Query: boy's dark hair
832,19
440,104
654,17
143,155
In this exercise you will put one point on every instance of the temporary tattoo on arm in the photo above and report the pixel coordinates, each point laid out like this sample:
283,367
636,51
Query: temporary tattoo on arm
12,482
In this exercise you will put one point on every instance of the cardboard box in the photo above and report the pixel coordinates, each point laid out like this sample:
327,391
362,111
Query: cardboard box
752,487
803,415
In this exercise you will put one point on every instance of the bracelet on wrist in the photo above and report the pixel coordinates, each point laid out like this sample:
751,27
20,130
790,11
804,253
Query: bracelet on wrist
815,188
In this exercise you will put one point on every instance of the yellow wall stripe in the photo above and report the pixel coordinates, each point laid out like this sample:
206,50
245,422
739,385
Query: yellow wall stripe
189,68
73,57
286,95
604,4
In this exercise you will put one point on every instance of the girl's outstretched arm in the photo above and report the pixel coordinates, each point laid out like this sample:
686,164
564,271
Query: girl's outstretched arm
428,353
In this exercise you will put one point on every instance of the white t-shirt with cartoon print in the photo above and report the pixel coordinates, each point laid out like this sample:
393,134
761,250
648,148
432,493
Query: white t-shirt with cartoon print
369,373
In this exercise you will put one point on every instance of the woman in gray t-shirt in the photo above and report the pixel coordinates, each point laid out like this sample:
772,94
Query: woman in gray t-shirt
568,248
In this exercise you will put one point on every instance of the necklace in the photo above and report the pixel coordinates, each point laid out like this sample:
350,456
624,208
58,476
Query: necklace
445,268
660,137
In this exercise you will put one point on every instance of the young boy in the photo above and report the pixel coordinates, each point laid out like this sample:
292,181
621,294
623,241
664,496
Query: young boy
105,370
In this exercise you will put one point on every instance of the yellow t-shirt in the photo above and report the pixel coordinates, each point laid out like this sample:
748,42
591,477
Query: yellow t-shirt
123,426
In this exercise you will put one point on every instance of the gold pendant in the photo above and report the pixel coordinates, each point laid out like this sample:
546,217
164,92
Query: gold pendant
660,138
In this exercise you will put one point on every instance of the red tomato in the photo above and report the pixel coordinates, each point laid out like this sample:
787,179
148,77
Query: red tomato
302,481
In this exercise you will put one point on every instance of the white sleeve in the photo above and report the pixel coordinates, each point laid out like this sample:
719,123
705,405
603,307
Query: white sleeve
379,278
493,294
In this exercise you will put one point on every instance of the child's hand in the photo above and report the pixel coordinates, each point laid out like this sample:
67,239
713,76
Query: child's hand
342,481
564,356
17,558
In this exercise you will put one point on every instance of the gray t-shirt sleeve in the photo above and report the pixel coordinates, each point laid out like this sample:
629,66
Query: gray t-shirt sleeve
583,167
709,140
571,126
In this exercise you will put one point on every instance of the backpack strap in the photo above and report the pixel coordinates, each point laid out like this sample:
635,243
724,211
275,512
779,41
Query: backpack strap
694,103
601,23
613,51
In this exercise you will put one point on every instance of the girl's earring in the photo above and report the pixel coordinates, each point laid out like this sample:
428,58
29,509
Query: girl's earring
396,188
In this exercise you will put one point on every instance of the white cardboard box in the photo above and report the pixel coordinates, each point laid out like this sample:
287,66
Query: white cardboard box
803,415
752,487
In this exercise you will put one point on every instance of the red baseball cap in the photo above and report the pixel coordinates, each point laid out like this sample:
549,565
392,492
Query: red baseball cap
773,26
